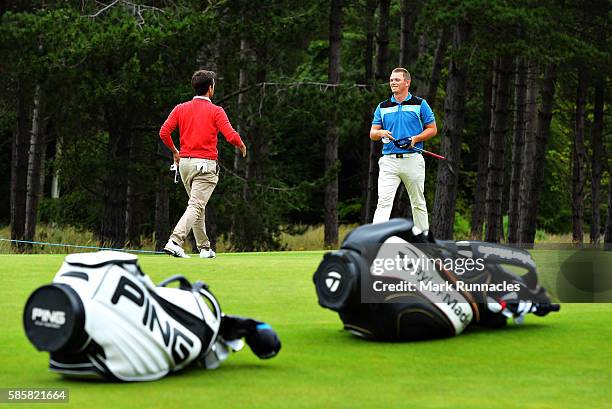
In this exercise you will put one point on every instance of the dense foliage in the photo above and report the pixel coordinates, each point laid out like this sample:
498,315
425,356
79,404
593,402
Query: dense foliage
108,76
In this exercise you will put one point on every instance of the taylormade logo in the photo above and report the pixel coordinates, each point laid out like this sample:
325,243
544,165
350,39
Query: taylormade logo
48,318
333,281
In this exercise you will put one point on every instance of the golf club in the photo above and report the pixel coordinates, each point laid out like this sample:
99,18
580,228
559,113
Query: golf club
407,145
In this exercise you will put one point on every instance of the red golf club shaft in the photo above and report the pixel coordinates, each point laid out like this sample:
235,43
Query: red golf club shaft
435,155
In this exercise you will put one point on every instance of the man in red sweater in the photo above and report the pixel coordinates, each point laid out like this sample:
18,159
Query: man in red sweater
199,121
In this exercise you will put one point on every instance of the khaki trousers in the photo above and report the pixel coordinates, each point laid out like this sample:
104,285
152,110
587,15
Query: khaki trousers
411,171
200,176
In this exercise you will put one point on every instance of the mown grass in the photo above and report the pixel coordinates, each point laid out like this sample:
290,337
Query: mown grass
560,361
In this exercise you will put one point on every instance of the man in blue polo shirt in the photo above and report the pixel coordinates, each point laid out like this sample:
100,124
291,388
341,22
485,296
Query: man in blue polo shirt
403,122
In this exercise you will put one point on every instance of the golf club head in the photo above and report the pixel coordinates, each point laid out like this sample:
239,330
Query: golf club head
403,143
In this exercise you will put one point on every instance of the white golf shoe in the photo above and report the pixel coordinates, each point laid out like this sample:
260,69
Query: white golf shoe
175,250
207,253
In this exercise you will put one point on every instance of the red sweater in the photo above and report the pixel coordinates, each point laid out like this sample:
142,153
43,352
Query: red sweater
199,122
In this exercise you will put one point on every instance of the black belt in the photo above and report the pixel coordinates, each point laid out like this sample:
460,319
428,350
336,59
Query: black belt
403,155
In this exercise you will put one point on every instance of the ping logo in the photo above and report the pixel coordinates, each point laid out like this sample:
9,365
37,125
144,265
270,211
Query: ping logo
333,281
164,329
48,318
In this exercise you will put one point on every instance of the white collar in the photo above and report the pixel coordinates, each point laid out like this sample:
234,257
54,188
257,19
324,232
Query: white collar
201,97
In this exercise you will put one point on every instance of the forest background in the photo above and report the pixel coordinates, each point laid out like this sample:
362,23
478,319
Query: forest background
519,89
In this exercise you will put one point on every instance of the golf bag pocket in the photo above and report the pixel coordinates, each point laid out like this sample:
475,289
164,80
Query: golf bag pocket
54,319
412,319
102,314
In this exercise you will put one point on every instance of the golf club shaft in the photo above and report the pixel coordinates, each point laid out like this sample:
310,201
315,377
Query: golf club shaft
435,155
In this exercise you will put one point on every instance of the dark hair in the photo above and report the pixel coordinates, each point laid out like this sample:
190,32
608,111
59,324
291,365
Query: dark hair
404,71
202,80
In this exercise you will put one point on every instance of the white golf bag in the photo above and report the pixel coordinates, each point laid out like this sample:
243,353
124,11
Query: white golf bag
102,316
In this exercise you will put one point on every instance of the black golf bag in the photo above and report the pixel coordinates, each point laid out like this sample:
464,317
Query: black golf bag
103,317
433,294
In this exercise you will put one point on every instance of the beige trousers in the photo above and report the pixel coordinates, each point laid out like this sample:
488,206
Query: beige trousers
409,170
200,176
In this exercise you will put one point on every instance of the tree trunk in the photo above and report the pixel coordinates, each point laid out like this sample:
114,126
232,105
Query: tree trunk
331,189
331,145
162,201
528,172
499,130
132,208
596,161
382,40
436,69
242,83
19,168
422,41
372,185
162,215
410,46
55,180
517,151
608,230
112,228
256,137
530,201
211,225
579,160
367,161
443,217
36,160
480,188
370,28
405,11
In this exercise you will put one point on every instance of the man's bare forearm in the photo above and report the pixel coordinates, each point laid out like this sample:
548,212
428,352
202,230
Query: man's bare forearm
427,133
378,134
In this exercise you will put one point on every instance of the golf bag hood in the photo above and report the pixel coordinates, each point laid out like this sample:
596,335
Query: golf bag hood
433,301
102,316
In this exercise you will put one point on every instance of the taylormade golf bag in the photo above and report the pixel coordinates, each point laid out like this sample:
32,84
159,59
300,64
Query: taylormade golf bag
102,316
391,282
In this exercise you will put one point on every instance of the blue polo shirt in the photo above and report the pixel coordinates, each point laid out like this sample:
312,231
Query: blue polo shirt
404,120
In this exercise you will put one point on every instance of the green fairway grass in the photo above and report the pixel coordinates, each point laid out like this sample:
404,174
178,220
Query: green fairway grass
559,361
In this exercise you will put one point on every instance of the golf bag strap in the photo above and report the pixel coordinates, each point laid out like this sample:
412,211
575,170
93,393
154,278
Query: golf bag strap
495,255
500,254
102,258
202,288
184,284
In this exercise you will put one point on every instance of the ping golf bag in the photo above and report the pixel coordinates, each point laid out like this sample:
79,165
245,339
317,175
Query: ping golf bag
391,282
103,317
